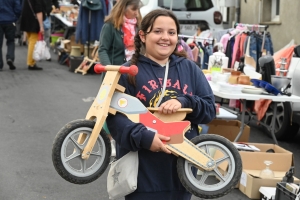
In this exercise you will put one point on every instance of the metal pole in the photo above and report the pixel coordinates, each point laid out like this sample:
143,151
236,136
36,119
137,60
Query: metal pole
89,32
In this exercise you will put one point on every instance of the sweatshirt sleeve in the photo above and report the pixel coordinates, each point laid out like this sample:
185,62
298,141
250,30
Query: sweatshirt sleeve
202,101
106,41
129,135
17,9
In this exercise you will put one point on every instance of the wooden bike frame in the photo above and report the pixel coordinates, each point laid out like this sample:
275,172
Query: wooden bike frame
111,98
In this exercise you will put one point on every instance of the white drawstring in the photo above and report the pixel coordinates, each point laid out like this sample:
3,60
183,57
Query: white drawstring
164,85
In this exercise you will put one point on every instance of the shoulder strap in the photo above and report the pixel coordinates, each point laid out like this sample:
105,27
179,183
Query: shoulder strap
31,8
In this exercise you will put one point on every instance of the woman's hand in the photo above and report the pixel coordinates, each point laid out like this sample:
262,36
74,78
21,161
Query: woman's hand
42,30
170,106
157,144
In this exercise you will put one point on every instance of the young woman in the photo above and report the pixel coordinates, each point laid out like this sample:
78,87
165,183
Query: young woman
117,38
117,34
187,87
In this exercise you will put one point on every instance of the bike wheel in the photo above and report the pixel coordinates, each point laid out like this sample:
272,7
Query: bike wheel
67,149
221,180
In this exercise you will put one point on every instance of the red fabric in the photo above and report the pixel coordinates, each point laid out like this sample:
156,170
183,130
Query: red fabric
260,107
284,53
129,26
128,41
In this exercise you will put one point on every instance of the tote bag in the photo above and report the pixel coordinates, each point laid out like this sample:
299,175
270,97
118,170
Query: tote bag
122,176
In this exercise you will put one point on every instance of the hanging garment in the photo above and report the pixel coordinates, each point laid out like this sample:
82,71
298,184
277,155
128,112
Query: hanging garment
235,52
93,27
229,50
207,51
187,49
224,41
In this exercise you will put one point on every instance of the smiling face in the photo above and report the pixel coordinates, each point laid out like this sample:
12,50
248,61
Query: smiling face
160,42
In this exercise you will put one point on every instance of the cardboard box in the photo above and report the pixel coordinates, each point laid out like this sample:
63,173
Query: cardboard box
253,163
229,129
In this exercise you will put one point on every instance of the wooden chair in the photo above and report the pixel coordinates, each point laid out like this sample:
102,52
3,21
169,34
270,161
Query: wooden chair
87,62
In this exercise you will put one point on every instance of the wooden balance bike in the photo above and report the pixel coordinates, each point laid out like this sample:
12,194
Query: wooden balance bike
81,149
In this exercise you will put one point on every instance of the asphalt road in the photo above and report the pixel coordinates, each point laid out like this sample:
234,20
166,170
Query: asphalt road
34,105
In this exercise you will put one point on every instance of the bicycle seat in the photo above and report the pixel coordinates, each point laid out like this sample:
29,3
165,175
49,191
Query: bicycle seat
178,116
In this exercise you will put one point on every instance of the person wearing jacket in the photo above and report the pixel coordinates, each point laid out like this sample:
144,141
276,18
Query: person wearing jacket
187,87
117,37
32,17
10,12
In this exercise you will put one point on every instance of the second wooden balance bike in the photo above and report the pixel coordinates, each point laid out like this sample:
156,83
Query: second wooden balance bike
81,149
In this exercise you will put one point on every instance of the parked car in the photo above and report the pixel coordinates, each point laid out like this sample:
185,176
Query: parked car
188,12
287,121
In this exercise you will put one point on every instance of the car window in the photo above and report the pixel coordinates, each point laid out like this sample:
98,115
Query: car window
186,5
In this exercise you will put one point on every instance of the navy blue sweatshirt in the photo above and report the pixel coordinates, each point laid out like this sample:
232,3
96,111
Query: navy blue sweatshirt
10,11
157,175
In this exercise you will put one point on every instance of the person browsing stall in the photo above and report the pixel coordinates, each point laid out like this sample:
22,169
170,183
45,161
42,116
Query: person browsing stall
117,37
187,87
10,13
203,31
32,17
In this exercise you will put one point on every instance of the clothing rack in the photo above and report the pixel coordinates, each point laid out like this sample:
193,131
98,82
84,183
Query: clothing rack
194,37
253,25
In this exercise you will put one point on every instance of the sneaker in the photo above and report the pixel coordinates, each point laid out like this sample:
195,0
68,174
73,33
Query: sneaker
11,64
49,60
34,67
113,148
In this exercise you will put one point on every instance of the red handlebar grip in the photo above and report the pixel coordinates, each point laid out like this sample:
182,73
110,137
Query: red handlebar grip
132,70
98,68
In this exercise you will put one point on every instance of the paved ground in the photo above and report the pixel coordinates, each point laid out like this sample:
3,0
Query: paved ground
34,105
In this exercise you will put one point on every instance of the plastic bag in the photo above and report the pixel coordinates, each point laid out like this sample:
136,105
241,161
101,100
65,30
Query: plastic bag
41,51
47,23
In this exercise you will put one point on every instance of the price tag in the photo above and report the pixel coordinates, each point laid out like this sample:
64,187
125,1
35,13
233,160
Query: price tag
243,180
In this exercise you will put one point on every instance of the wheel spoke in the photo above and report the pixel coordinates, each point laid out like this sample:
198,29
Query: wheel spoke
77,146
217,172
72,156
278,122
83,165
96,153
203,178
207,149
219,161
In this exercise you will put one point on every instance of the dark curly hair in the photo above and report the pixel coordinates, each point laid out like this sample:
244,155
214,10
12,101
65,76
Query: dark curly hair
147,22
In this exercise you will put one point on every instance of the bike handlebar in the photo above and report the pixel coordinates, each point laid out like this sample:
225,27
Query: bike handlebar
132,69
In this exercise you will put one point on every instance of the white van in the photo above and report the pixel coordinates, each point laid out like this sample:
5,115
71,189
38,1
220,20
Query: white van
188,12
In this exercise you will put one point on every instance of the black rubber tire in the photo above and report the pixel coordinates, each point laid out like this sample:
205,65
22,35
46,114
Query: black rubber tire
220,192
282,121
57,147
293,131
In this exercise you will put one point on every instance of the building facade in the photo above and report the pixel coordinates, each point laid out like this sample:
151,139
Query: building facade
281,17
